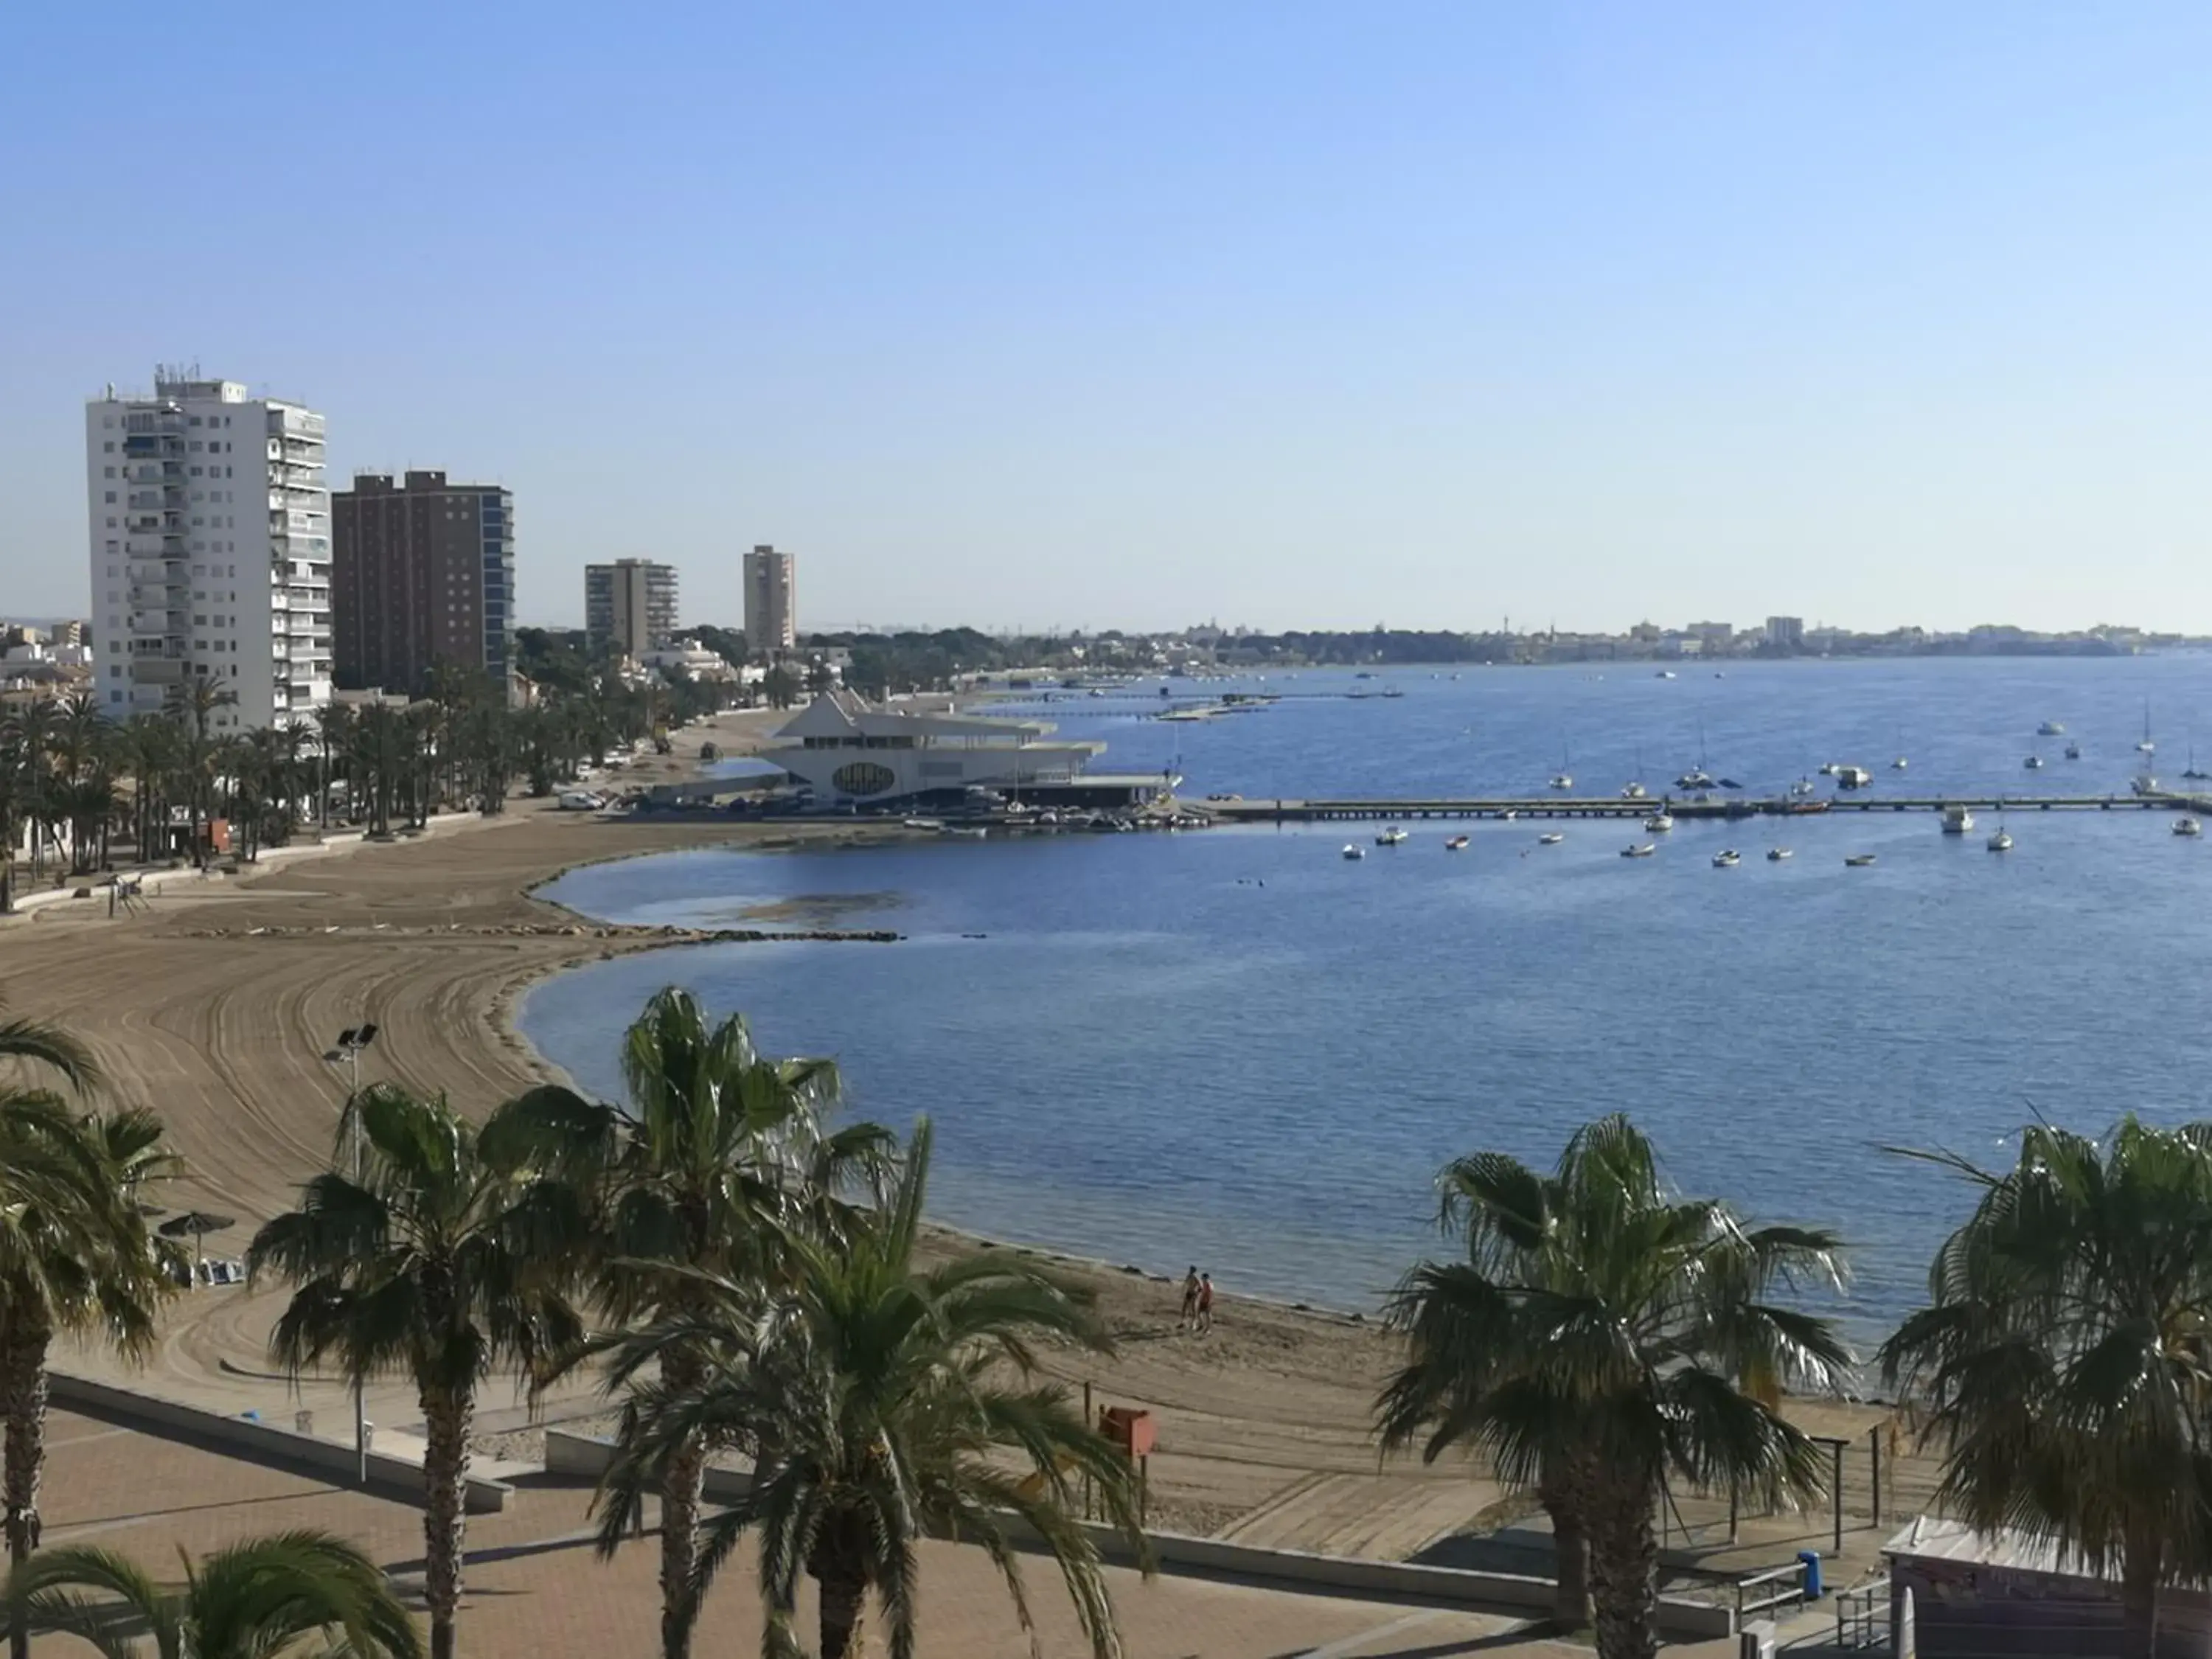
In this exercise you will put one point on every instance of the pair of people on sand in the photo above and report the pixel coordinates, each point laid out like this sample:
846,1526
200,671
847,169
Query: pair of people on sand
1197,1301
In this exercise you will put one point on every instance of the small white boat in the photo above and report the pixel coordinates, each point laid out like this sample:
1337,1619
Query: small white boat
1659,823
2032,763
1698,778
2187,827
1507,816
1354,853
2001,841
1727,859
1562,780
1457,844
1550,838
2051,729
1898,764
1666,673
1776,855
1851,777
1634,792
2144,784
1639,851
933,826
1390,837
1804,786
1957,820
1858,860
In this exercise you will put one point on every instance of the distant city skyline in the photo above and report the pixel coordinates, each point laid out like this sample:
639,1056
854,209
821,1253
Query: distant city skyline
1307,314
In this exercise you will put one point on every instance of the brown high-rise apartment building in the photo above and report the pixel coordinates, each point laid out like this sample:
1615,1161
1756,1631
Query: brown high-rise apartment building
630,606
421,572
771,602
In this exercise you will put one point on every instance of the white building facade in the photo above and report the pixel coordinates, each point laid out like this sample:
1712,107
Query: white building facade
851,752
211,551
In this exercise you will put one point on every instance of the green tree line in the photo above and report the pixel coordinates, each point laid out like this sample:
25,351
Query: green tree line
88,793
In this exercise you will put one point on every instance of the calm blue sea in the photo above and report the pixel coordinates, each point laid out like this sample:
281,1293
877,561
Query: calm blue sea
1237,1048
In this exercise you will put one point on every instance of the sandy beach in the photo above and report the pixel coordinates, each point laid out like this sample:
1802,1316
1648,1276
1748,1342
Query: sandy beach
217,1004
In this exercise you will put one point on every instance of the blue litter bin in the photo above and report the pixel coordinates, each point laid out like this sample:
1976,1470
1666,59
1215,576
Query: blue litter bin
1810,1561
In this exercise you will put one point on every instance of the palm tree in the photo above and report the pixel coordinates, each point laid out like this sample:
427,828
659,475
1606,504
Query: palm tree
36,726
75,1256
248,1601
192,707
334,742
719,1151
431,1262
2065,1360
379,763
151,749
39,1043
1600,1334
18,792
874,1400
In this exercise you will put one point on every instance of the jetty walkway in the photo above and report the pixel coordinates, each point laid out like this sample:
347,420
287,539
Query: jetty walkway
1567,807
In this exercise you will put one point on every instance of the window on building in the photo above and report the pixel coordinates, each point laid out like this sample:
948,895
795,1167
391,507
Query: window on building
111,498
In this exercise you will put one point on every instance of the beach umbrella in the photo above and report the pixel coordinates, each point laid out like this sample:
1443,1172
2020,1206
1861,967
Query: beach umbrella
196,1225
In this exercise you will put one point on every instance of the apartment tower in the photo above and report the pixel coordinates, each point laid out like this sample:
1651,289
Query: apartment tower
630,605
210,550
771,602
422,573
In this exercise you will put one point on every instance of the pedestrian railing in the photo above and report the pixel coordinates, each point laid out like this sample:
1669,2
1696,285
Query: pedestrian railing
1763,1592
1863,1616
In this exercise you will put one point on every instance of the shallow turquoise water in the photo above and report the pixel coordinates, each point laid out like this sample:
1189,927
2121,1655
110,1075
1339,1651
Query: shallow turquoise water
1237,1048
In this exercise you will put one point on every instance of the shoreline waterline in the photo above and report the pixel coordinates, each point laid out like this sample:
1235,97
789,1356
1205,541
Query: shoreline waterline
1237,1048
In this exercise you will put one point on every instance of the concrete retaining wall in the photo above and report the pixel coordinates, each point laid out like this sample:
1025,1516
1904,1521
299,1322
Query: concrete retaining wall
395,1476
588,1455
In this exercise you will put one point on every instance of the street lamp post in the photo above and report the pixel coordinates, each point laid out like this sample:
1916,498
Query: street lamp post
351,1042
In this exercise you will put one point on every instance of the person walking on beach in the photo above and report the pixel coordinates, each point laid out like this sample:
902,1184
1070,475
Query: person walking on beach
1205,1304
1189,1321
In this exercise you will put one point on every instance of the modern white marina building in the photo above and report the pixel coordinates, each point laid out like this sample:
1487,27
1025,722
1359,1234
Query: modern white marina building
852,753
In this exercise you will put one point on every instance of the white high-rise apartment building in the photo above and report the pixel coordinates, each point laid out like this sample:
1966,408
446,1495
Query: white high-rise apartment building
210,550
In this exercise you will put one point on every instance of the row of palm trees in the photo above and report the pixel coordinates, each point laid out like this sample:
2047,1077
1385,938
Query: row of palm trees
742,1274
82,789
745,1273
1596,1336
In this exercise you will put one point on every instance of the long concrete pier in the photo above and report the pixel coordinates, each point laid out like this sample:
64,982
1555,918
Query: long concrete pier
1240,811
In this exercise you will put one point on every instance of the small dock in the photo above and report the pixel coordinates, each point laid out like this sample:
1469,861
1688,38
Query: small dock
1568,806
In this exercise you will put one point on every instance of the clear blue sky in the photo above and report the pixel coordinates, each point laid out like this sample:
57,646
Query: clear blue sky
1144,313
